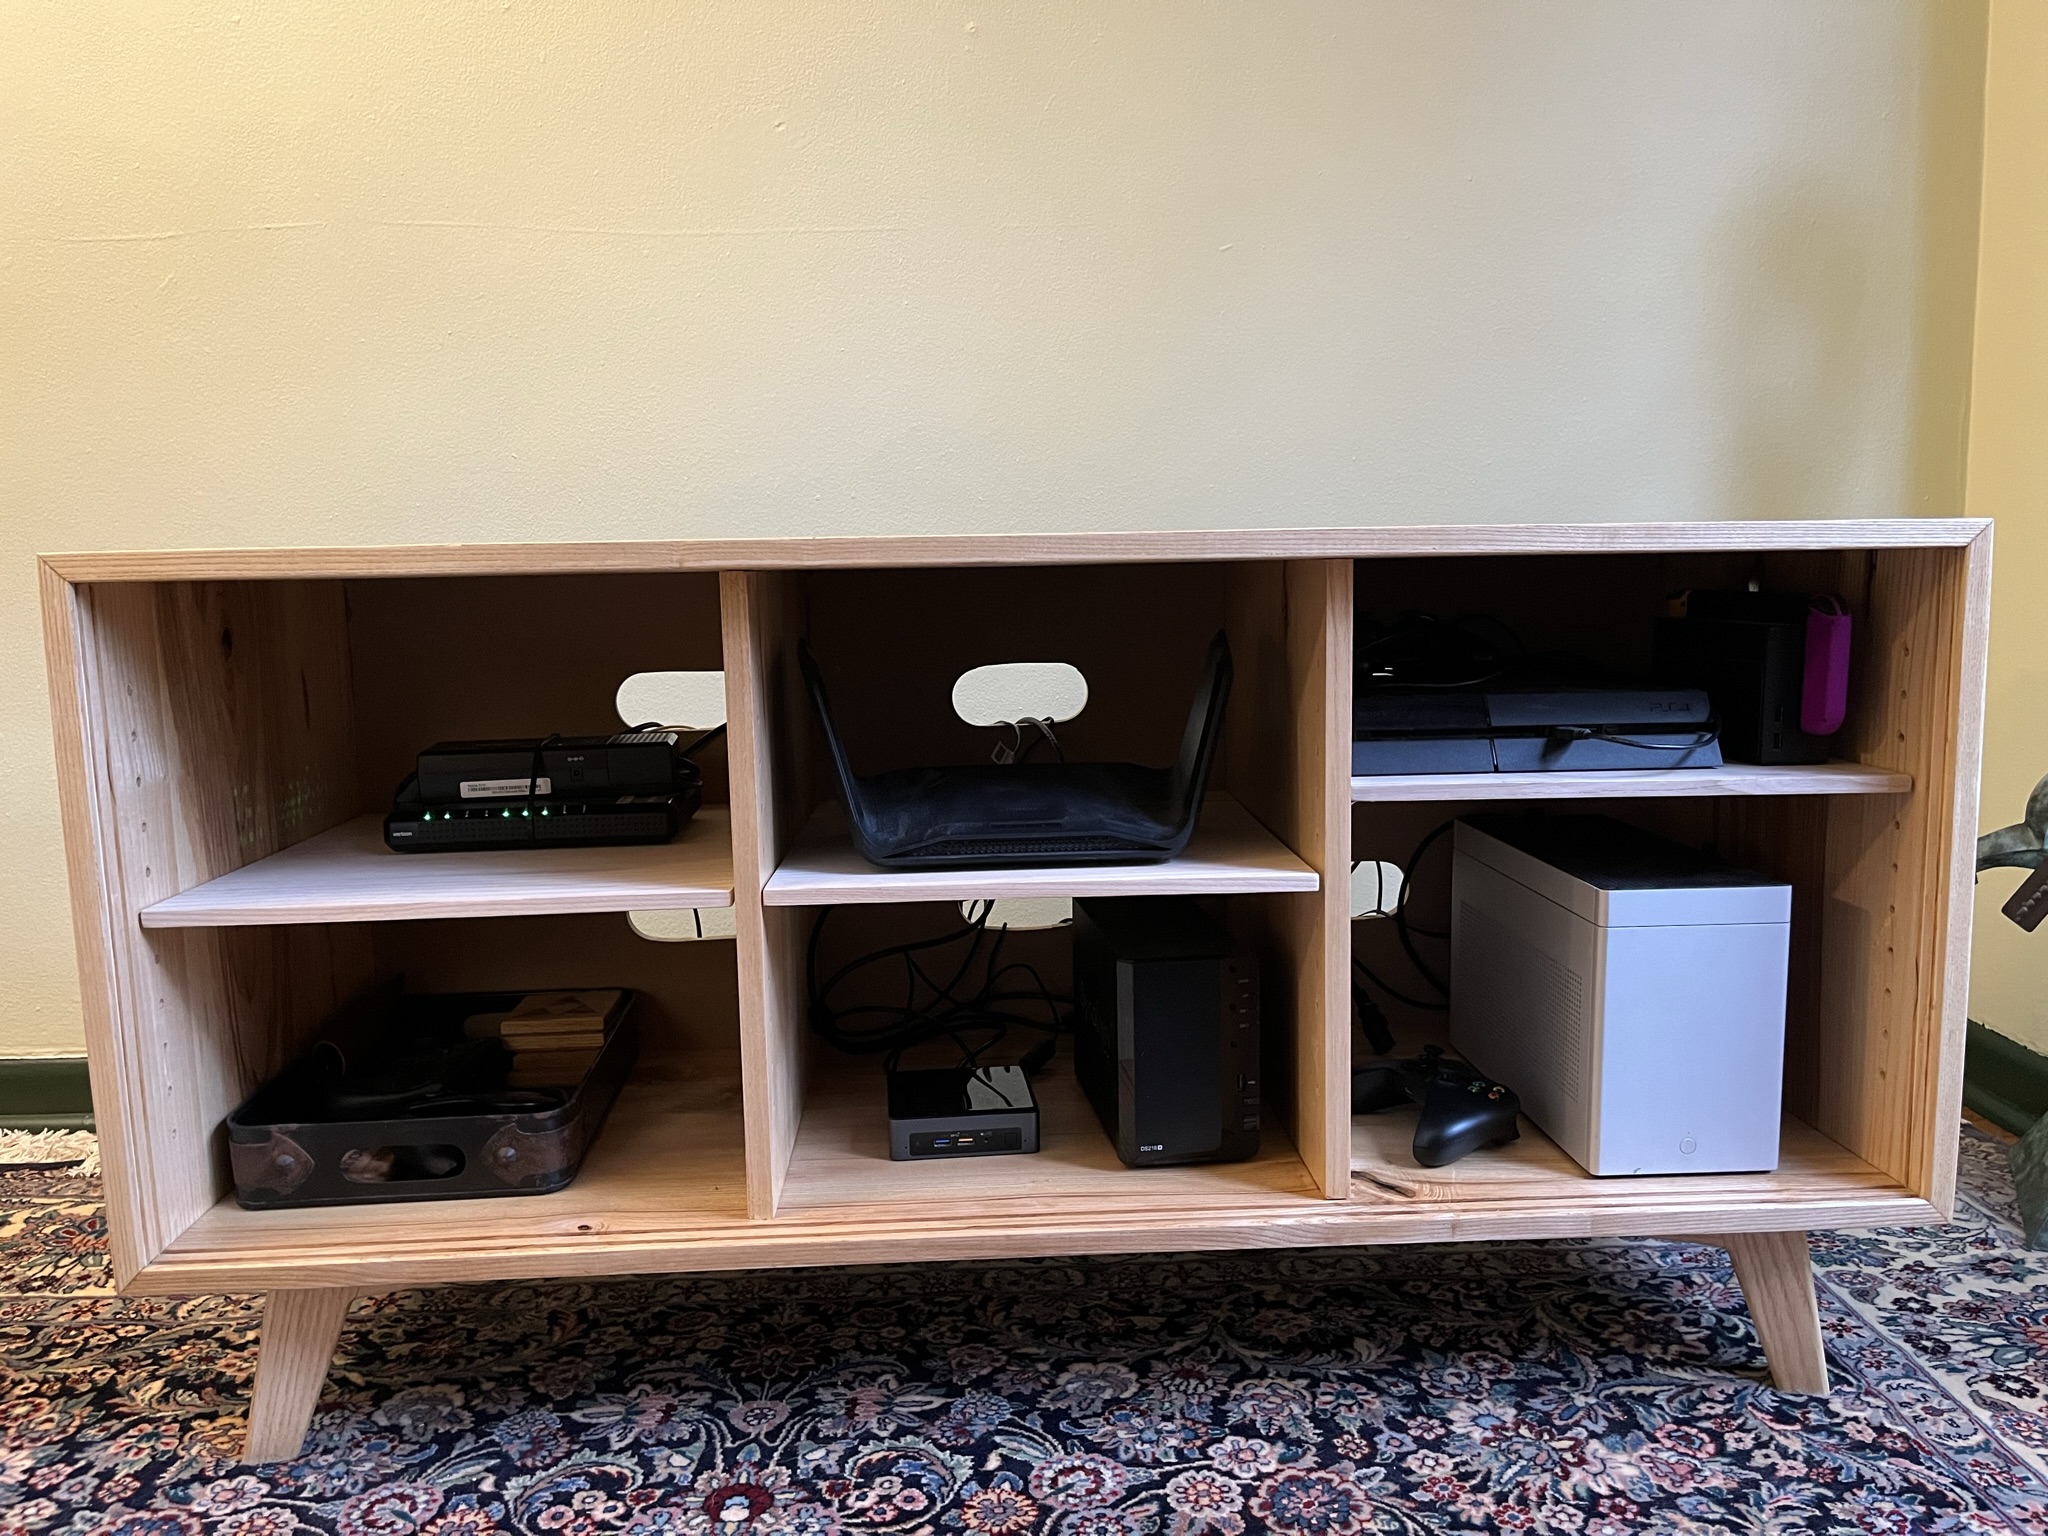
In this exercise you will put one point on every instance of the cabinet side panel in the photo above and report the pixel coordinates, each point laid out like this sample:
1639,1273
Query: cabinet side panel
1886,1058
256,686
1791,838
135,1232
1286,757
1786,838
765,747
206,727
1959,878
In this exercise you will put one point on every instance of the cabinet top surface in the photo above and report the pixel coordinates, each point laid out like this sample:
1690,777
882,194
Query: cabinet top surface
1010,549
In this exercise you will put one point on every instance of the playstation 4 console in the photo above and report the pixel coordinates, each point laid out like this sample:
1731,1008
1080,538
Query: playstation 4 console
1631,989
1532,731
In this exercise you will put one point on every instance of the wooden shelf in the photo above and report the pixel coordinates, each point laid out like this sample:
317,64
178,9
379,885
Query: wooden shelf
664,1190
1230,854
347,875
667,1167
1733,779
1534,1180
841,1162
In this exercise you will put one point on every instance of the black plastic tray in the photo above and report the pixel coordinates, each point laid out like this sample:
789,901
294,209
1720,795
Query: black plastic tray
281,1159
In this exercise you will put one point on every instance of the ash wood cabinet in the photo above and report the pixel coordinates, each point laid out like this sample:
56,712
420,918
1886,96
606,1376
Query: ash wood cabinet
230,724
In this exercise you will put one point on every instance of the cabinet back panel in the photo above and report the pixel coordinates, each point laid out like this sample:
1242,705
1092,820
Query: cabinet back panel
891,643
690,1002
461,658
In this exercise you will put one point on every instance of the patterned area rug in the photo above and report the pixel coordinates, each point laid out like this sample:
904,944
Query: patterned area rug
1597,1388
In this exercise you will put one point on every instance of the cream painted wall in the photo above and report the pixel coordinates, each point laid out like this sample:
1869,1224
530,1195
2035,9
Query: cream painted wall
367,272
2009,480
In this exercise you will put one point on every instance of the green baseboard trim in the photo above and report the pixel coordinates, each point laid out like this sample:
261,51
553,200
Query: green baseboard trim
44,1093
2004,1081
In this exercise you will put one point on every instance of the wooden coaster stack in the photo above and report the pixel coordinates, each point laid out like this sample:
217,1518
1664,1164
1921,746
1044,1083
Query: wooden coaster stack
554,1037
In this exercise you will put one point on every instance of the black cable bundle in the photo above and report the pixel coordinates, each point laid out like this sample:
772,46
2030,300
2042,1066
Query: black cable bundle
1427,652
936,1010
1371,1018
1423,653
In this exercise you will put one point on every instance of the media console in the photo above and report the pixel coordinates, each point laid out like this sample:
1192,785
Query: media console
227,723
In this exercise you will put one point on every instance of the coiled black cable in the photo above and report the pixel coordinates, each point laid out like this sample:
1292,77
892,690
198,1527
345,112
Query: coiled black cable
934,1009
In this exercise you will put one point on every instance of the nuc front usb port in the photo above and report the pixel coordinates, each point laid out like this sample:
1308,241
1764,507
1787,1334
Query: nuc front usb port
1005,1138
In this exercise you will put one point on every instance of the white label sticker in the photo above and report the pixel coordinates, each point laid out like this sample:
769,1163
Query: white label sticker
506,789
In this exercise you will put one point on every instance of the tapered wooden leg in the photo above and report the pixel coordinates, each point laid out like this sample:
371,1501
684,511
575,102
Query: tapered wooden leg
300,1330
1776,1272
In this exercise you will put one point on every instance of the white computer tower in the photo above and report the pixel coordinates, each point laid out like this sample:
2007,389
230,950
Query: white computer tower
1631,991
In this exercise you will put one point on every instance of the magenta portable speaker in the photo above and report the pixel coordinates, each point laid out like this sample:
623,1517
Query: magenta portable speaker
1824,697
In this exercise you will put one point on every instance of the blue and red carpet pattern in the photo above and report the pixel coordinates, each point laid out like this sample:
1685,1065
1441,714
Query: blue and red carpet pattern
1600,1389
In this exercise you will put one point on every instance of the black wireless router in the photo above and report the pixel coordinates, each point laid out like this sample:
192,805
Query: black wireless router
991,815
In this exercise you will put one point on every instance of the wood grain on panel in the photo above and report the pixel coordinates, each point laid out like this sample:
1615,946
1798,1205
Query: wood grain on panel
1734,779
1230,853
195,738
1011,549
1535,1172
1257,759
1788,840
348,875
1891,1004
1320,636
842,1160
689,992
670,1163
470,658
664,1189
115,1028
1776,1272
1943,1105
892,643
300,1330
1792,841
762,615
212,729
1287,754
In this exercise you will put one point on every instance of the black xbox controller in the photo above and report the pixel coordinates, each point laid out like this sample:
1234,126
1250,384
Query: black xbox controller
1461,1110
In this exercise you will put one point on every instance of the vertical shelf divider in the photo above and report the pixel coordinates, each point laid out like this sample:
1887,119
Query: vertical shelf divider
1287,755
1336,652
760,615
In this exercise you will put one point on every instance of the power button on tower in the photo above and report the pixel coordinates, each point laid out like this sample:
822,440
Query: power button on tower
1687,1145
